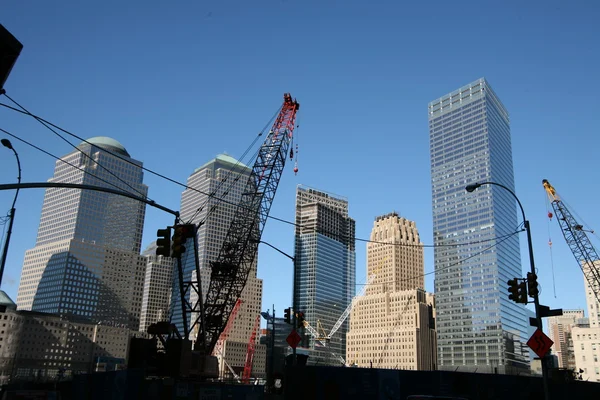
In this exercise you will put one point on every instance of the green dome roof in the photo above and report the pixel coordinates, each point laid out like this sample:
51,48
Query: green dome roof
6,301
108,144
227,159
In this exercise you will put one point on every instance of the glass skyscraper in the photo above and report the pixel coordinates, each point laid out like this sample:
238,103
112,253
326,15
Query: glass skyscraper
325,268
476,253
86,260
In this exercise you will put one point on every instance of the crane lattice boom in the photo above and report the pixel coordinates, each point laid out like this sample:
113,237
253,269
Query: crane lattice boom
577,240
230,270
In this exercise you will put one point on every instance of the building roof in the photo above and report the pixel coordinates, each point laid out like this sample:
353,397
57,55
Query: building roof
108,144
6,301
224,158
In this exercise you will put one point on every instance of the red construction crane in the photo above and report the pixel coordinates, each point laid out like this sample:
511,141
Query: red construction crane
230,270
250,353
577,239
219,346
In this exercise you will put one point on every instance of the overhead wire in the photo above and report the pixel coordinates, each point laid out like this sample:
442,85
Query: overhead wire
162,176
58,158
141,193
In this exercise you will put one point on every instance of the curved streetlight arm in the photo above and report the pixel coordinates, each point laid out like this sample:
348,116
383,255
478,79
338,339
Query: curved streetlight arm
18,177
472,187
278,250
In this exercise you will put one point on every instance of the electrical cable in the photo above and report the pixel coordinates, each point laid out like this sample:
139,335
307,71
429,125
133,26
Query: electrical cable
142,194
504,238
58,158
343,237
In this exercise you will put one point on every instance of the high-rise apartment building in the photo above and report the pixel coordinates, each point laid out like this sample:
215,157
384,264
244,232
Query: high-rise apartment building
158,282
86,260
225,178
392,326
325,267
559,330
586,338
477,252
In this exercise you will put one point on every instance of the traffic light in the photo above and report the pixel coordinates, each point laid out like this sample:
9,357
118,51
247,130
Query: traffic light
513,289
180,235
518,291
163,243
287,314
300,318
532,285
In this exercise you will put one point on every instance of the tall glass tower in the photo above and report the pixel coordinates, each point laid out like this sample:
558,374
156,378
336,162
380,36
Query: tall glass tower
325,267
86,260
476,253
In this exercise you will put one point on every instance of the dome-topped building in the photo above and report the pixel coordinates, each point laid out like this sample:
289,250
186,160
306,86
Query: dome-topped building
106,143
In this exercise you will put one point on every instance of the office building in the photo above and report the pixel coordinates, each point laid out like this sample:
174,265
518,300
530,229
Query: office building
86,260
392,325
157,288
46,347
559,330
325,268
478,327
226,178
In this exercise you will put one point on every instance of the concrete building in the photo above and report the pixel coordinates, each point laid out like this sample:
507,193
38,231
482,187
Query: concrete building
325,268
158,282
392,325
478,327
226,178
38,346
559,330
86,259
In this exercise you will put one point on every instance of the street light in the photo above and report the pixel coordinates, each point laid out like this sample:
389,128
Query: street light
536,300
294,300
6,143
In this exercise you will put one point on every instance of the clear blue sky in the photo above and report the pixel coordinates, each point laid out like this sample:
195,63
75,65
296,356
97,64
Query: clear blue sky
179,83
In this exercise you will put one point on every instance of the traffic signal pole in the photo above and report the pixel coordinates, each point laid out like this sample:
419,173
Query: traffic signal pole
536,301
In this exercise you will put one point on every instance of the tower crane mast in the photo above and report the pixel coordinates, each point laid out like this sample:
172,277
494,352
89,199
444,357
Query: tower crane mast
576,239
230,270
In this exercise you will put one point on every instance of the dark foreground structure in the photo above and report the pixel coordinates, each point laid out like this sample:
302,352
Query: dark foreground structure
321,383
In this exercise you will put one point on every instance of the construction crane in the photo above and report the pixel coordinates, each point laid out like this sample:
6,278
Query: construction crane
577,239
230,270
218,351
250,352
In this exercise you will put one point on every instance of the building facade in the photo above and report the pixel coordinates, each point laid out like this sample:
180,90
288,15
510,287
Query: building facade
325,268
225,178
476,251
586,346
86,261
156,297
392,325
559,330
40,347
593,305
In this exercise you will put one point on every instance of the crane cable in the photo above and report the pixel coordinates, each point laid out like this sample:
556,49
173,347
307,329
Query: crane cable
549,213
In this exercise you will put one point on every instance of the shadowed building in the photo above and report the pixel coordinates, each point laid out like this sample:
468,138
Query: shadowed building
86,258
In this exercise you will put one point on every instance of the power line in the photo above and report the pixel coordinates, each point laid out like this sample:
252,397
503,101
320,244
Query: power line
144,195
503,238
59,159
213,195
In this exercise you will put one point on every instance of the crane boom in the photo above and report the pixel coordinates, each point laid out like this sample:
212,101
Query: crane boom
577,240
230,270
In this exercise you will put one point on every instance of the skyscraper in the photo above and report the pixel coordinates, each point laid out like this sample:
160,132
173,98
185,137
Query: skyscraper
225,178
325,267
559,330
86,258
158,282
476,251
392,326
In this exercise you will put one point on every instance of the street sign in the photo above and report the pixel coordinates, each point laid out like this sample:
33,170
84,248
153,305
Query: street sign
293,339
540,343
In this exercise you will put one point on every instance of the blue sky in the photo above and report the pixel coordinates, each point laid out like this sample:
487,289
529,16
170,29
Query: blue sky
179,83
